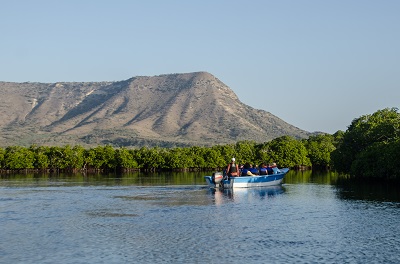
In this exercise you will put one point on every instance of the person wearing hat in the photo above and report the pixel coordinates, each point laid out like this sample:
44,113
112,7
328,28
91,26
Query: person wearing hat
233,169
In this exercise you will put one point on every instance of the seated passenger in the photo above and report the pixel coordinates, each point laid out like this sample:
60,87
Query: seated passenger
269,169
247,170
275,168
254,170
263,169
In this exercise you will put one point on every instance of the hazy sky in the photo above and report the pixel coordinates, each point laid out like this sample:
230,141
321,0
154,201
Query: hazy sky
317,64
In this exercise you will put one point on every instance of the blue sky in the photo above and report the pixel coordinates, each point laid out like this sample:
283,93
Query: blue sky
317,64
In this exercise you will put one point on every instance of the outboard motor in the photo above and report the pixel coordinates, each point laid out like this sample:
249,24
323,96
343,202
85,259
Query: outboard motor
217,177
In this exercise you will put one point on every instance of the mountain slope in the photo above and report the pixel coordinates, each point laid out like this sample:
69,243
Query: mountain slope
173,109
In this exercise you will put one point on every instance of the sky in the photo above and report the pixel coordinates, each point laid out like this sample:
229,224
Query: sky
316,64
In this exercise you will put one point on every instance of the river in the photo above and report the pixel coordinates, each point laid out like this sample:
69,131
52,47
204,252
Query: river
175,218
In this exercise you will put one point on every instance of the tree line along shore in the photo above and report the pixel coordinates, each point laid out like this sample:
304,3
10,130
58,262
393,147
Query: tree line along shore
369,148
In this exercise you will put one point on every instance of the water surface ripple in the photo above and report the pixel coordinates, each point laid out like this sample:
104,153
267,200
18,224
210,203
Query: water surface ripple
295,223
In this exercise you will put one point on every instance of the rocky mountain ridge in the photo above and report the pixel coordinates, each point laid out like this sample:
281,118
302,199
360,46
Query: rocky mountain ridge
165,110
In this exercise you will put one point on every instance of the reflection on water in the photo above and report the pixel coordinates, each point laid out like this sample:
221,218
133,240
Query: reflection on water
242,194
368,190
346,189
176,218
110,179
309,176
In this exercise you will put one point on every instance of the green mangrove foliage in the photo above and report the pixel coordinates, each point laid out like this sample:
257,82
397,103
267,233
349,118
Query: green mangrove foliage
16,157
370,147
319,149
285,151
289,152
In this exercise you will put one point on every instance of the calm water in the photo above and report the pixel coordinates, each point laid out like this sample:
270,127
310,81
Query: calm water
174,218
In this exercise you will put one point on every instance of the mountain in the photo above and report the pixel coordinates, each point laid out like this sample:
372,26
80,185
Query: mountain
165,110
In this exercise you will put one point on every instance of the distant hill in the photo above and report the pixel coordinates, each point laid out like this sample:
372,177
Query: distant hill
166,110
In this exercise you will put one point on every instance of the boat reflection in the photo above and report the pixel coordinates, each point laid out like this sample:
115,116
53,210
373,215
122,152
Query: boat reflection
245,194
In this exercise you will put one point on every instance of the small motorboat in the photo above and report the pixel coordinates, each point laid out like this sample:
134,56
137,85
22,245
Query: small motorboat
218,180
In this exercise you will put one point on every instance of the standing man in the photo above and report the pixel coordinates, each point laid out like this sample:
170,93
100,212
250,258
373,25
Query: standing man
233,169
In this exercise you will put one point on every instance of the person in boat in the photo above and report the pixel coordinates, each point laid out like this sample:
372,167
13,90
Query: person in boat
269,169
263,169
275,168
254,170
233,169
246,171
243,170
